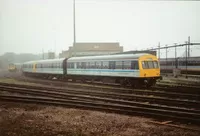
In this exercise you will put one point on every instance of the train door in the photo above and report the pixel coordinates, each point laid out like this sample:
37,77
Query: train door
64,66
34,67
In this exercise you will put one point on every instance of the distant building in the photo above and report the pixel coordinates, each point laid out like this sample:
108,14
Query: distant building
91,49
51,55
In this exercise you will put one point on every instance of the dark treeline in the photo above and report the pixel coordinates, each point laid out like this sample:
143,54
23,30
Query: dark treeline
10,57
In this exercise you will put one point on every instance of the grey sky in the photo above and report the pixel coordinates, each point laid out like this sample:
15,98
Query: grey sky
28,26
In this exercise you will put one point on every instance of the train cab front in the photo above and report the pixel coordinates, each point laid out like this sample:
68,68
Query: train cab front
149,70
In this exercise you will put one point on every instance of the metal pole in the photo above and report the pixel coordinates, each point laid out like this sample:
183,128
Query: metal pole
42,53
159,51
74,15
74,21
188,46
166,59
186,60
175,62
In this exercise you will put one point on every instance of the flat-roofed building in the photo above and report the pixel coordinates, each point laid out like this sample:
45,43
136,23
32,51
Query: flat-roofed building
91,49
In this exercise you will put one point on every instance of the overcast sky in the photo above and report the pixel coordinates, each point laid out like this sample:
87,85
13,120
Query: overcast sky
28,26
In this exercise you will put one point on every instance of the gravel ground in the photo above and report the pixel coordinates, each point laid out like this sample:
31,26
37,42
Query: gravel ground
38,120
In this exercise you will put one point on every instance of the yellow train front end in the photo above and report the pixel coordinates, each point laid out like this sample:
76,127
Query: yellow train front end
149,69
11,67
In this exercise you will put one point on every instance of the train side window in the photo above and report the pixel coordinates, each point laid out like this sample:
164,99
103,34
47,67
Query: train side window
134,65
150,63
105,65
92,65
69,65
118,64
72,65
127,64
83,65
78,65
155,63
88,65
145,65
111,64
98,65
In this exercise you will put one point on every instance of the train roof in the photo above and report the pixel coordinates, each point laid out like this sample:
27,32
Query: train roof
181,59
45,61
88,58
109,57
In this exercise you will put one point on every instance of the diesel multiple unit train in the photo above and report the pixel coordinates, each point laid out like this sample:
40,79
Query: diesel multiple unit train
192,67
132,69
13,67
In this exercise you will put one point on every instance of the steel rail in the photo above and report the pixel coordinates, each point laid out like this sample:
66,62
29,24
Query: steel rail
131,110
128,97
101,98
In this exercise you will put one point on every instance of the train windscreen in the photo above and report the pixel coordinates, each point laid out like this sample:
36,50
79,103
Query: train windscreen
150,64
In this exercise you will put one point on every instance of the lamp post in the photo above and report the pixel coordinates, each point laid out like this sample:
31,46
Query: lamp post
166,59
186,52
74,19
74,23
175,60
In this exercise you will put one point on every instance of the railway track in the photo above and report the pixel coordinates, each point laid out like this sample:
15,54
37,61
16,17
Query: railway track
160,91
105,101
161,86
176,88
116,92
